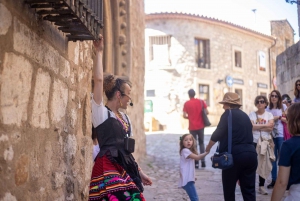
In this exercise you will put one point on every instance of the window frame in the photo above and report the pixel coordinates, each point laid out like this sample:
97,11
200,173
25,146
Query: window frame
206,43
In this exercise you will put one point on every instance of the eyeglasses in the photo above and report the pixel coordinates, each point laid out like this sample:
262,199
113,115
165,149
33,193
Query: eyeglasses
274,96
298,85
260,101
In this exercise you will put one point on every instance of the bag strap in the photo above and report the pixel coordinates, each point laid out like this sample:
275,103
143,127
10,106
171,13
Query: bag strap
259,130
202,107
229,131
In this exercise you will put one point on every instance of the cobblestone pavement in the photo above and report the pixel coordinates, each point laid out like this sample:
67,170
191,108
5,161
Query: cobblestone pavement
162,165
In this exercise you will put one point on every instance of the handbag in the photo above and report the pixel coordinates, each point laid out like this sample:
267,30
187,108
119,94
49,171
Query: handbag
129,144
224,160
204,116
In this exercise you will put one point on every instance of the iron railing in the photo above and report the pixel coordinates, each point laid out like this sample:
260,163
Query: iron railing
79,19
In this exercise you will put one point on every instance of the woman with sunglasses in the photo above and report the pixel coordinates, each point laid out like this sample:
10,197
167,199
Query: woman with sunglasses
263,122
297,92
115,174
276,108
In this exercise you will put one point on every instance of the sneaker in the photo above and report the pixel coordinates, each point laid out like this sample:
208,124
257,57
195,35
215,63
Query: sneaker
272,184
203,164
262,190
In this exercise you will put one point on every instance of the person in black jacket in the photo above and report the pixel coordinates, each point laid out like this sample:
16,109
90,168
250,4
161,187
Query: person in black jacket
243,151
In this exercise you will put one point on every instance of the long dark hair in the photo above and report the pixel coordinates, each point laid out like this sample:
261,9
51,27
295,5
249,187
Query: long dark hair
296,91
293,116
193,148
279,103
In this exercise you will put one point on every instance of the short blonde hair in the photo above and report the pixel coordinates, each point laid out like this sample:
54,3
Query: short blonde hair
293,117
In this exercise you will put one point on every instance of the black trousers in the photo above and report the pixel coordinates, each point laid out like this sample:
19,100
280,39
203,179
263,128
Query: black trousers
199,134
244,170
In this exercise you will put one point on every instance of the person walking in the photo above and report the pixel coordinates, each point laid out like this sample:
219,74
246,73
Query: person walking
188,155
263,123
276,108
289,165
115,174
192,111
243,151
297,91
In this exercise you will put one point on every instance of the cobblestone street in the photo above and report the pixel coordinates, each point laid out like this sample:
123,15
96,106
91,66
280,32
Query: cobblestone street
162,165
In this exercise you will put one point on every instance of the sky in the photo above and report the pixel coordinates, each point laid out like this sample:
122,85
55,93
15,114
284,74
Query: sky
240,12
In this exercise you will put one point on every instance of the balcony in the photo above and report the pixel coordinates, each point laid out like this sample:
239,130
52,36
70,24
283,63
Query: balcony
79,19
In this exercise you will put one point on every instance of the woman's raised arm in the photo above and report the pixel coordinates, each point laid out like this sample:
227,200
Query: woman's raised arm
98,70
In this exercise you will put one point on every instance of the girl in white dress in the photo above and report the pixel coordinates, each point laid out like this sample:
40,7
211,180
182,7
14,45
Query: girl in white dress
188,155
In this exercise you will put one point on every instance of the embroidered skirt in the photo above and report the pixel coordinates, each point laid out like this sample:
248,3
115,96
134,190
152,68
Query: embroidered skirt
110,182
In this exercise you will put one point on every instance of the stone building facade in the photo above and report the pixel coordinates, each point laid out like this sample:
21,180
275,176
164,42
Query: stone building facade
186,51
288,66
45,85
284,34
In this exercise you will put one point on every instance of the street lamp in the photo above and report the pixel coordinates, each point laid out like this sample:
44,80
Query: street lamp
291,2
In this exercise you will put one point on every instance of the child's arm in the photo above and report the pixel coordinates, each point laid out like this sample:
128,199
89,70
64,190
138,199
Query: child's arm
197,157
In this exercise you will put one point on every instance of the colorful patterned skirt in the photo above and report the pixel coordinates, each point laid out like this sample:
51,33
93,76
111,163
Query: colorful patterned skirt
110,182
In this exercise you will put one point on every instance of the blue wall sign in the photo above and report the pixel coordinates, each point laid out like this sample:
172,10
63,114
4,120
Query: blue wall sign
229,81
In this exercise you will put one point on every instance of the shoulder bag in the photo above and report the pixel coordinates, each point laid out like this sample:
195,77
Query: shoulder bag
204,115
224,160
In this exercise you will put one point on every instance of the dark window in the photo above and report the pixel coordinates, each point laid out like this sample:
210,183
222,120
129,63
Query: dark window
202,53
287,43
150,93
240,93
161,43
204,93
238,59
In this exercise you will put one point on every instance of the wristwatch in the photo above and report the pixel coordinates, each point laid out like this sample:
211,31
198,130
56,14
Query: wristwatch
279,118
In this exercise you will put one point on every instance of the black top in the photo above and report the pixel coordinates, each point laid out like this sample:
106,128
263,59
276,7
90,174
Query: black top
290,150
110,135
242,137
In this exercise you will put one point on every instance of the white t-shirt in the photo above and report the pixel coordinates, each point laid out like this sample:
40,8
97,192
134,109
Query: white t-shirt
277,124
187,168
262,119
99,115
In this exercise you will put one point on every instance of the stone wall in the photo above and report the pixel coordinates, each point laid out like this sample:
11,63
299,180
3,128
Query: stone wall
45,114
183,73
288,69
284,34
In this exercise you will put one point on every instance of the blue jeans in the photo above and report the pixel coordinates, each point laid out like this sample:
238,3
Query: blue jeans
191,190
278,142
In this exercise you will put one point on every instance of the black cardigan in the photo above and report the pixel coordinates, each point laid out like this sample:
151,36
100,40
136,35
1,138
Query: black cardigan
242,137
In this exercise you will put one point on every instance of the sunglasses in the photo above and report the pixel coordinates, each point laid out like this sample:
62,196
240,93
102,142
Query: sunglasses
274,96
260,101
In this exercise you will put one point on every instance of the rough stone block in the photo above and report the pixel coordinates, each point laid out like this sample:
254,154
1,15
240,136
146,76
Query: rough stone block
40,116
6,19
70,147
8,197
21,174
15,89
59,100
27,42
